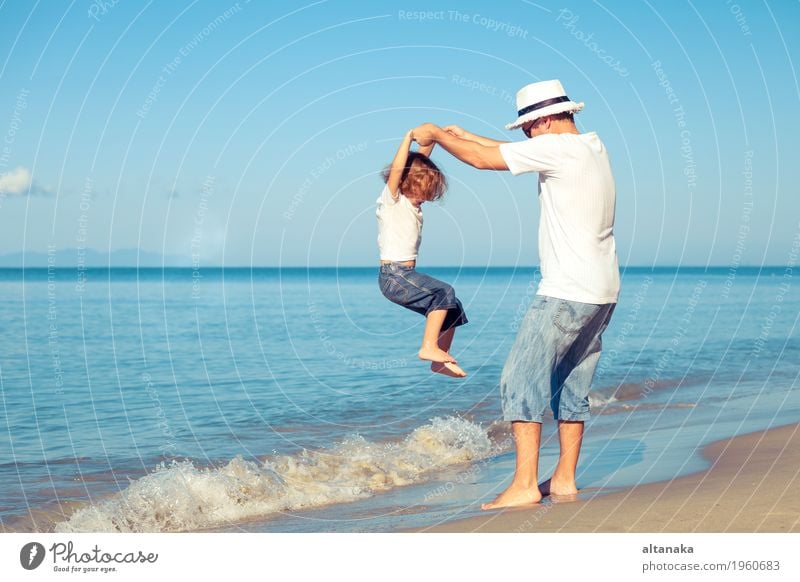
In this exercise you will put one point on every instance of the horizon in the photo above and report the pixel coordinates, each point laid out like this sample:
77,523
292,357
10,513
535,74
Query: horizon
154,260
328,267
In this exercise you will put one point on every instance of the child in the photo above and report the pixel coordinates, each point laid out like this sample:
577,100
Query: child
411,180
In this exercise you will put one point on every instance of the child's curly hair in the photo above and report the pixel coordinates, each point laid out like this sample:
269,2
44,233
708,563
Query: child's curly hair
421,178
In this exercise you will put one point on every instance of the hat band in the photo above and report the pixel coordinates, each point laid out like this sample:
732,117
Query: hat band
541,104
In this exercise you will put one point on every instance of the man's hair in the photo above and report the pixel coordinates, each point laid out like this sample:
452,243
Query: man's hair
566,116
421,178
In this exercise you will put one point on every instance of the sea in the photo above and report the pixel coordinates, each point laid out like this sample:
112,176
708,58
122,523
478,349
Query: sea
292,400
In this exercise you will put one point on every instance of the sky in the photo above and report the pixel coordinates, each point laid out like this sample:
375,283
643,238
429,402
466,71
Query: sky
253,133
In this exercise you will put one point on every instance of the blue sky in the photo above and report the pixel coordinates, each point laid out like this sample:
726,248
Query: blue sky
253,133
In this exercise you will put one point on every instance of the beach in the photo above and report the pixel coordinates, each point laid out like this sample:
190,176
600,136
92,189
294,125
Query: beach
751,485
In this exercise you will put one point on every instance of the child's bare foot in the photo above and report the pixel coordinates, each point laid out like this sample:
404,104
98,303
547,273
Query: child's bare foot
448,369
435,354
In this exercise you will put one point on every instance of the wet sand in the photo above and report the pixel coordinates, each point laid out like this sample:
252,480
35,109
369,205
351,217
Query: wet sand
752,485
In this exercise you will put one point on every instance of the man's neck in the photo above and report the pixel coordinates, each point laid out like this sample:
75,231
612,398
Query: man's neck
563,126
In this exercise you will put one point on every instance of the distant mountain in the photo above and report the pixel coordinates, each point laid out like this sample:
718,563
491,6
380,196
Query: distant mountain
94,258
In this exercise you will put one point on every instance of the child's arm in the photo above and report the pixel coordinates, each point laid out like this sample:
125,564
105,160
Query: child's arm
399,164
426,149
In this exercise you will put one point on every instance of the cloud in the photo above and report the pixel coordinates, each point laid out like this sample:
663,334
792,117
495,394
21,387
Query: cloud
19,182
16,182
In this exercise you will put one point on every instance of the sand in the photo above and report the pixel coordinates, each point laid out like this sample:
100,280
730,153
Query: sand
752,485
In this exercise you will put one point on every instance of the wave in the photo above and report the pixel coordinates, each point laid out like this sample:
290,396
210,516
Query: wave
626,391
621,408
598,400
181,496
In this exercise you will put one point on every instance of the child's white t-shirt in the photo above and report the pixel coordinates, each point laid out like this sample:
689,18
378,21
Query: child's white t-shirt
399,227
577,252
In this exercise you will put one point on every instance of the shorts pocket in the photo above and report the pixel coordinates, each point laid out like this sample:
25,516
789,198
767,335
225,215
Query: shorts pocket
393,290
572,317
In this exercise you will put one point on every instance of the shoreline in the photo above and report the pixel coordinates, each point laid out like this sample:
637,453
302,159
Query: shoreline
751,485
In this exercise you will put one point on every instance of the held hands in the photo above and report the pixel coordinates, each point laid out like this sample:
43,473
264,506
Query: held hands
423,134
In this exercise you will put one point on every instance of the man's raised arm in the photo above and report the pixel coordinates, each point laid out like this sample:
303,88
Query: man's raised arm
464,134
483,156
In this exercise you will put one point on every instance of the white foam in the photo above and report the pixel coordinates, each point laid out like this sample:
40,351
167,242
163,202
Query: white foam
597,400
182,497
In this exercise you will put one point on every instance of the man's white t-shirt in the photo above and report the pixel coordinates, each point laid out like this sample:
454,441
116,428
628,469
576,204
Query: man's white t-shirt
577,252
399,227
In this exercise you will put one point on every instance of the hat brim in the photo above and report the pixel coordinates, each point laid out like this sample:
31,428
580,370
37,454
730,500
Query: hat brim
565,107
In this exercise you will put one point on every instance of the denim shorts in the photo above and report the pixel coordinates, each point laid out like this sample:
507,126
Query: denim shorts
420,293
553,360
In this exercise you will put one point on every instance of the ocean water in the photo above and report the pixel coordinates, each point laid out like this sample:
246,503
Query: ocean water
292,399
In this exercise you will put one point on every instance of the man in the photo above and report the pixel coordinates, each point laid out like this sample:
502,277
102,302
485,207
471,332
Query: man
558,344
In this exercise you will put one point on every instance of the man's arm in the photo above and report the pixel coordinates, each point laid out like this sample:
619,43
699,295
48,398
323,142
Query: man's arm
482,157
464,134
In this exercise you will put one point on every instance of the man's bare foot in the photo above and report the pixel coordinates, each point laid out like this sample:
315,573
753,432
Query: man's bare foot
448,369
515,496
558,488
435,354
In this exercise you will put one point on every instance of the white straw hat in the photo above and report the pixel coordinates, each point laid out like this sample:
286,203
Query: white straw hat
541,99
